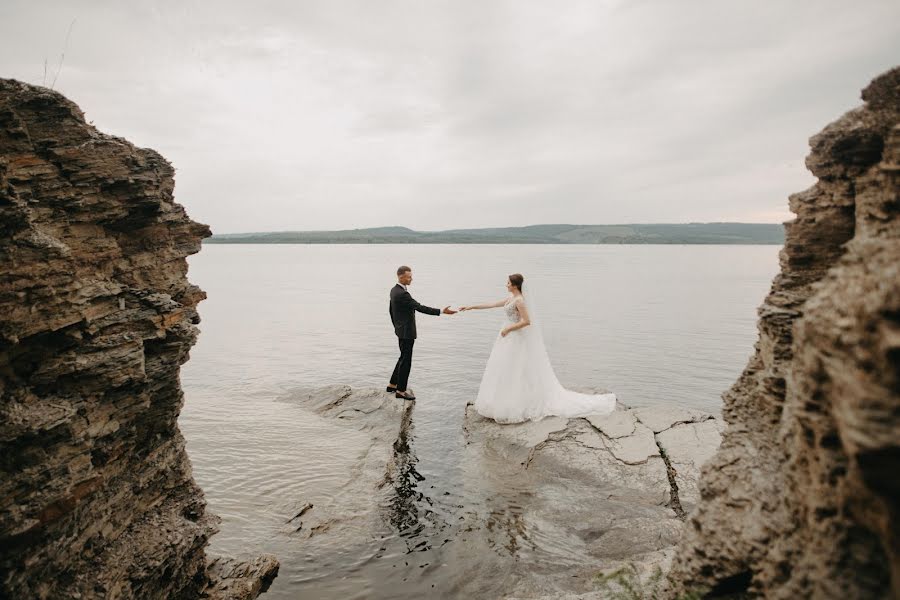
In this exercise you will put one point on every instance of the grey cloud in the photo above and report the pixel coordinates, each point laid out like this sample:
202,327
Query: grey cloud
434,115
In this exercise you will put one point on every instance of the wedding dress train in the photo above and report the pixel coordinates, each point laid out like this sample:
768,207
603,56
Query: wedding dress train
519,383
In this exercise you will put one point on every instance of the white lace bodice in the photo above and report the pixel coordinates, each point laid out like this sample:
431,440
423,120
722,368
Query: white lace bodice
512,311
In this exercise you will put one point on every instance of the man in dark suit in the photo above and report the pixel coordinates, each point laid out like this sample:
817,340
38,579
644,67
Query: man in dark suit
403,315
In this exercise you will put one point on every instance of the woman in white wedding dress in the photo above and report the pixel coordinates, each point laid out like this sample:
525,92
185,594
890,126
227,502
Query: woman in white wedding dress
519,383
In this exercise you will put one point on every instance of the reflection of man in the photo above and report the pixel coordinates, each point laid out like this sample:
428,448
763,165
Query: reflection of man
403,315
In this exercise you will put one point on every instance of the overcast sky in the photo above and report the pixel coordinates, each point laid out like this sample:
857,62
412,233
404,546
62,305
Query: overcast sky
436,115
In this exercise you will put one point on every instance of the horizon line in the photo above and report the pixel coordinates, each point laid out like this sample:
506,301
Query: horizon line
500,227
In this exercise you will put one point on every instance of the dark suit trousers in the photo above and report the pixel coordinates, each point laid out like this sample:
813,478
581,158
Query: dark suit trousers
404,364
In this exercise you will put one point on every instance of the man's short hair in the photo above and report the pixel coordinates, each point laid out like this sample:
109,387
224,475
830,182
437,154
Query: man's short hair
403,269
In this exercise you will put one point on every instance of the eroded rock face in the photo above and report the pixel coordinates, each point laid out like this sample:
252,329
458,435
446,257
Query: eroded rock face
801,499
96,317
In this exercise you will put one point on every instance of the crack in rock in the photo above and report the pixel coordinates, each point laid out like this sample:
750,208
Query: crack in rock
674,500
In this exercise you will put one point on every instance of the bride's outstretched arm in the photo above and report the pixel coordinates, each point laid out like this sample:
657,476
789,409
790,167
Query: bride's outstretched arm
496,304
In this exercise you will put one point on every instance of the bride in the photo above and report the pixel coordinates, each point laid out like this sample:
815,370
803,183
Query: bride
519,383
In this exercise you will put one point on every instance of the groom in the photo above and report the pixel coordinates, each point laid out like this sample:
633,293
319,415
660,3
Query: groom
403,315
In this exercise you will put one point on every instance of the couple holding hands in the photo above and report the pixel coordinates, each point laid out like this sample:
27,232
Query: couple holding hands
518,383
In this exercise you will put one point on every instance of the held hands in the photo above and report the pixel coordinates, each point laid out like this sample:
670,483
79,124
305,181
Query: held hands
464,308
448,311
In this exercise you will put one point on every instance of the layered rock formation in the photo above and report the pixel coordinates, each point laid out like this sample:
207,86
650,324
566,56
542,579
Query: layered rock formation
802,498
96,316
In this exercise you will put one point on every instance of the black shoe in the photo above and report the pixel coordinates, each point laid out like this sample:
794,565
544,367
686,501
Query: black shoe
407,395
390,389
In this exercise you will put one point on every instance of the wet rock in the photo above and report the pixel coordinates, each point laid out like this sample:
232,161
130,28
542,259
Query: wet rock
800,500
616,425
631,464
97,498
687,447
641,577
372,426
373,411
234,579
661,418
550,503
619,447
602,479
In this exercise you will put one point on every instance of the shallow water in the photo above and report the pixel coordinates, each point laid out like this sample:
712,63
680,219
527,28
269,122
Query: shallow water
654,324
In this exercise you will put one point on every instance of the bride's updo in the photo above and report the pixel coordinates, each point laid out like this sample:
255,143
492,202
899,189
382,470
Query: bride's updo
517,280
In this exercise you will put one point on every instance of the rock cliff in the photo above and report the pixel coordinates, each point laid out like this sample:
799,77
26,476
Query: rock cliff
97,498
802,498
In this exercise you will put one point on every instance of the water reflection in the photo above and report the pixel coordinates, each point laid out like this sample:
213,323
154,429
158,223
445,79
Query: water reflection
411,511
506,527
423,521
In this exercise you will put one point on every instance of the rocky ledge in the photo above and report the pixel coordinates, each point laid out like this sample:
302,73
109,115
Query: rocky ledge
593,496
651,453
97,498
620,483
372,427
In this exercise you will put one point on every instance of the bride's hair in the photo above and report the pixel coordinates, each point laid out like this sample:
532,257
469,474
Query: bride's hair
517,280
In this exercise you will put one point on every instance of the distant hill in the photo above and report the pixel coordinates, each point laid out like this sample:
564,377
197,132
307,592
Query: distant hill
654,233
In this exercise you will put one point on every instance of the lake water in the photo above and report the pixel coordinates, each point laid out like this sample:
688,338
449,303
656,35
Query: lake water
654,324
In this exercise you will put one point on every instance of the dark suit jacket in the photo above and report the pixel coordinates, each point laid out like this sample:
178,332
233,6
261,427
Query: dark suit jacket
403,312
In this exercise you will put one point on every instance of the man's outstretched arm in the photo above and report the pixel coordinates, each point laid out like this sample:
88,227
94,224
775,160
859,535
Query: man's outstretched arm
409,301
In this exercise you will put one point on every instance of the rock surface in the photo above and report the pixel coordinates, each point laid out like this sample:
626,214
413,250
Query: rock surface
801,500
604,478
231,579
687,446
97,498
544,506
382,423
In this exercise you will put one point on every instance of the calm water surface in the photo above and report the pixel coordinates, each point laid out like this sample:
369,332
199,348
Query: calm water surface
654,324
